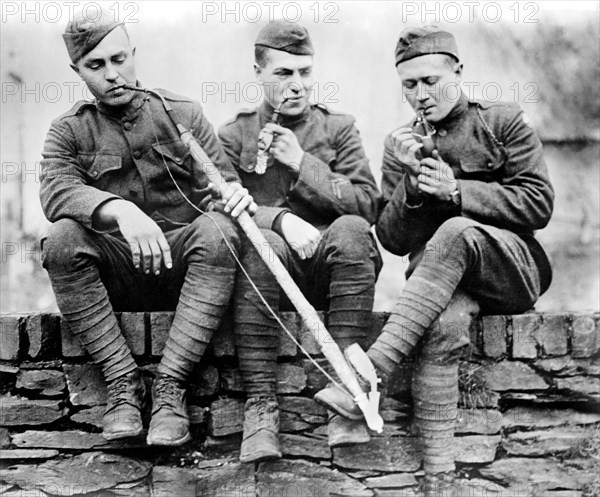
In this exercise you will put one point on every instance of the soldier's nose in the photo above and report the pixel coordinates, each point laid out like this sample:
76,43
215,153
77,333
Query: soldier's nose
111,74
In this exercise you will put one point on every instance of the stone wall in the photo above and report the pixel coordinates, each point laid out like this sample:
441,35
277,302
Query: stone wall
529,419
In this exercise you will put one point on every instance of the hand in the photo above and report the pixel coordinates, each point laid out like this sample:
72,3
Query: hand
235,200
149,247
300,235
405,150
436,178
285,147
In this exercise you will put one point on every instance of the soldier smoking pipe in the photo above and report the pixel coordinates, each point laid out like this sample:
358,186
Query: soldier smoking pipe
265,139
368,403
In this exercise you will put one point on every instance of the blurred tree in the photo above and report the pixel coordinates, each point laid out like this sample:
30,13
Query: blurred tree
569,61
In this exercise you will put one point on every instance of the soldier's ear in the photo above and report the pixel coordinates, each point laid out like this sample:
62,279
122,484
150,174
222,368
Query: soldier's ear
458,69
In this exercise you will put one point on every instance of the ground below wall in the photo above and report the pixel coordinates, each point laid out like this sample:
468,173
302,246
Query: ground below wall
529,417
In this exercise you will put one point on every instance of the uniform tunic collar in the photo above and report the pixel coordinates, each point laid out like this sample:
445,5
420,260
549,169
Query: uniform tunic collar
126,112
458,110
266,113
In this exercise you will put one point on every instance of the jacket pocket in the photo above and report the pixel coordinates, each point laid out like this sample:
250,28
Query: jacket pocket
483,164
175,152
175,155
96,166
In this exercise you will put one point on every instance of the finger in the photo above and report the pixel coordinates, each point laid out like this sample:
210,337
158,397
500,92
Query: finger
252,208
241,206
427,171
427,189
135,254
235,199
406,142
311,247
423,179
275,128
232,196
413,148
298,249
409,144
166,252
232,189
310,250
156,257
146,257
282,142
401,131
431,163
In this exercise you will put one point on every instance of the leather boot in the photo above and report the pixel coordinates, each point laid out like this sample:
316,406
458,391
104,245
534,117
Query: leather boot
439,485
170,422
342,431
261,427
341,402
126,398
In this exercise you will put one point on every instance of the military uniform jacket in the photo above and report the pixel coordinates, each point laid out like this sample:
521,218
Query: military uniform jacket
95,153
334,177
497,160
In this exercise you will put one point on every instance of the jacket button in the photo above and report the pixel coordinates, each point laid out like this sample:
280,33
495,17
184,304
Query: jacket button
94,173
127,125
137,154
442,132
490,165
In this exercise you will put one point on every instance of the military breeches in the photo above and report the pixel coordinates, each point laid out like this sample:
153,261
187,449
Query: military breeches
92,274
339,278
492,266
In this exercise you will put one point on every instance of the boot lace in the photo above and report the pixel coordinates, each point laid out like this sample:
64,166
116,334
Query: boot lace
119,392
119,389
168,392
262,413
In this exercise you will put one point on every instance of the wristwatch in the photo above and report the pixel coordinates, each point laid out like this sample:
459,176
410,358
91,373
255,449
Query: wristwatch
455,197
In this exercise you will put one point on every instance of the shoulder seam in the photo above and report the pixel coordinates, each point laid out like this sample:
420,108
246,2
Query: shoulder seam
73,111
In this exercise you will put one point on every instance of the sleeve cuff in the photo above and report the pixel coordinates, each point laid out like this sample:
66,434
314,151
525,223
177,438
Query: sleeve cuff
312,172
277,223
412,201
266,217
92,224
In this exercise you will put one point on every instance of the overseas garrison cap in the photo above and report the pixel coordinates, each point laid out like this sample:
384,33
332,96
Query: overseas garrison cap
285,36
426,40
83,34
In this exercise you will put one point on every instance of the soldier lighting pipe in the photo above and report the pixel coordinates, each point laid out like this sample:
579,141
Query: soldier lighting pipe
309,315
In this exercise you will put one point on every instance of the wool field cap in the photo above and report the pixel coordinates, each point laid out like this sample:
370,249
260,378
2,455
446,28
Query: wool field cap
83,33
286,36
425,40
